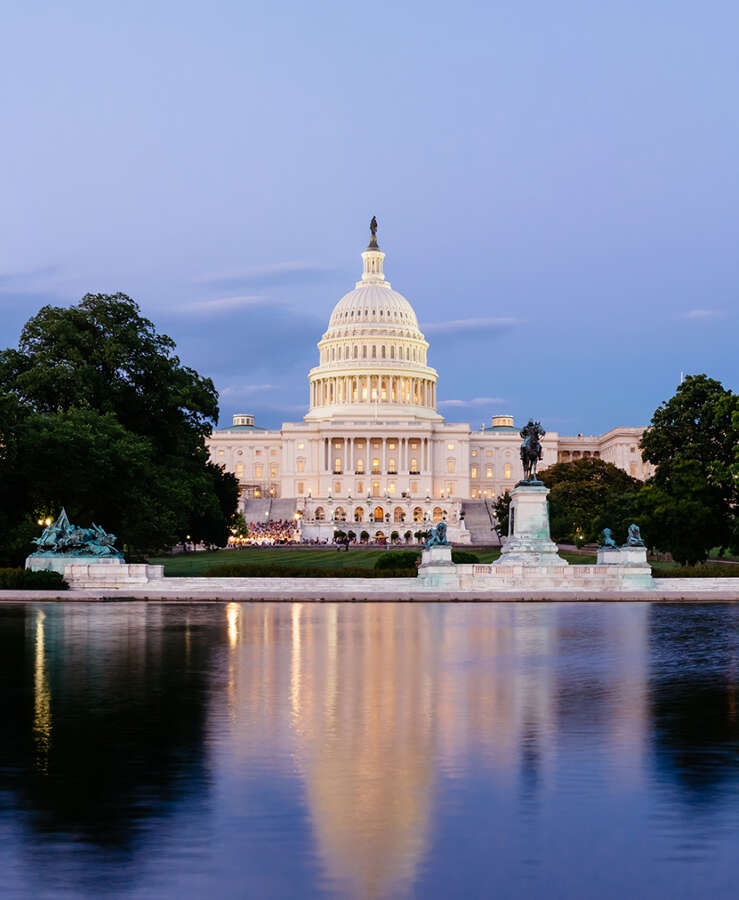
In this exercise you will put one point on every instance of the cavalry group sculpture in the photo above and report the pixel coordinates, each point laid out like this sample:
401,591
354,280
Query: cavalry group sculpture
61,538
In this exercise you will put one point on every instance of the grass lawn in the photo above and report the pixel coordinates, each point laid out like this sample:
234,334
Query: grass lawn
194,564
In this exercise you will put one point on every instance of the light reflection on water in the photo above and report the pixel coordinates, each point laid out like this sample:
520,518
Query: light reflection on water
369,750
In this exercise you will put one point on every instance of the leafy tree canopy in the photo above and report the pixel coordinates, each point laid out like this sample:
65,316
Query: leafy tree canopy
692,441
98,414
588,495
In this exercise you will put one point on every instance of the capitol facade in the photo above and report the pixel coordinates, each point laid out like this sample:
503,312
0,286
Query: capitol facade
372,452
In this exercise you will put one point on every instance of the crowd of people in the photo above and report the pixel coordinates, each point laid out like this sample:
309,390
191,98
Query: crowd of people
268,534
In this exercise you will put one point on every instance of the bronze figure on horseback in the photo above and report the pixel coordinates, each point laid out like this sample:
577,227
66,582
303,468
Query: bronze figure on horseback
531,449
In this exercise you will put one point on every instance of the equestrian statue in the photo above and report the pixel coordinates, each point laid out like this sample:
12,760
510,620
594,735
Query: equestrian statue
531,449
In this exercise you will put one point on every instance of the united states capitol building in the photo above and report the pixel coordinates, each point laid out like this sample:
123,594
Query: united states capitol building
372,452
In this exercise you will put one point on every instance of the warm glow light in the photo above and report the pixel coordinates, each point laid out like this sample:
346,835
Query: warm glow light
233,613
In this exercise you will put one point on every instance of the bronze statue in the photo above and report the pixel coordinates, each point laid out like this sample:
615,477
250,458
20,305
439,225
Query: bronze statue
373,227
634,538
61,538
438,537
608,541
531,449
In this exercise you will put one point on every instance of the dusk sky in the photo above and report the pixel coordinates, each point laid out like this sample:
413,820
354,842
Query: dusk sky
556,185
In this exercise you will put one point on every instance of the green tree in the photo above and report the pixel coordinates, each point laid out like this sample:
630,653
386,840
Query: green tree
102,417
691,501
502,512
588,495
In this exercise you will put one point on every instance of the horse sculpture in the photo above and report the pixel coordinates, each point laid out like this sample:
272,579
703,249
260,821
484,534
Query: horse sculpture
531,450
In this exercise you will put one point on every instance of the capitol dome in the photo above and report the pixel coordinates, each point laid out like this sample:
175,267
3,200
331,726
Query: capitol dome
373,355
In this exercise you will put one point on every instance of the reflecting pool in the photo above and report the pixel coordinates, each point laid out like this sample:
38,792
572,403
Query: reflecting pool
369,750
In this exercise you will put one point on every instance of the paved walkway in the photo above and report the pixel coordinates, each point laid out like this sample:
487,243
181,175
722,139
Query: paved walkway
668,590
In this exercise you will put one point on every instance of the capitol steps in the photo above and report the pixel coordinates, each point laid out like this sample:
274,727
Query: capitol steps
477,519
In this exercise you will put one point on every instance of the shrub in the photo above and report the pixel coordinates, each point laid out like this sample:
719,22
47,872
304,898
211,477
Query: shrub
397,559
464,557
710,570
26,580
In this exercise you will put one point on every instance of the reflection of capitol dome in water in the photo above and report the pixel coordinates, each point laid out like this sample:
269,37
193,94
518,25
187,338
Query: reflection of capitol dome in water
373,353
367,749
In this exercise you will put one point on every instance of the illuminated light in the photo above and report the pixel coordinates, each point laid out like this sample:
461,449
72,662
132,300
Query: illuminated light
41,700
233,614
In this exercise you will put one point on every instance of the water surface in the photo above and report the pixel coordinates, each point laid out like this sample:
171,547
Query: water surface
369,750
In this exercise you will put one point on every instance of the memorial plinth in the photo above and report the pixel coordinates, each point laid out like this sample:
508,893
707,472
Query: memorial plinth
529,541
437,569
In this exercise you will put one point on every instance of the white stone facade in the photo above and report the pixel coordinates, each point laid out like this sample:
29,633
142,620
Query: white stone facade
372,452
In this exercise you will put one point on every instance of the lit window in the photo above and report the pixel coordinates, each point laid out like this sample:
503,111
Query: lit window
507,470
239,470
450,466
301,445
273,470
473,472
488,453
392,467
488,471
391,487
258,470
474,452
257,452
450,446
337,487
299,487
301,465
220,452
360,487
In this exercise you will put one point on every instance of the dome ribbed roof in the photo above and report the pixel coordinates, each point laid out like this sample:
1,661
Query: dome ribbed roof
373,303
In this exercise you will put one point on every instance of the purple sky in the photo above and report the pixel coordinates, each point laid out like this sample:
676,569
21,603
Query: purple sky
557,187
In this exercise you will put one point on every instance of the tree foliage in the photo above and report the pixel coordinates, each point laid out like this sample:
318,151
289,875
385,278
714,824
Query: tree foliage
502,512
692,499
99,415
588,495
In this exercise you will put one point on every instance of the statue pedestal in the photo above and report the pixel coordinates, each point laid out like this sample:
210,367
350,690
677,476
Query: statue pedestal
633,569
96,571
56,562
437,569
529,542
623,556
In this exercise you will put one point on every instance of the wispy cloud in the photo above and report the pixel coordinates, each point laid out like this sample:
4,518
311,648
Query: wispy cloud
28,279
475,401
289,272
224,304
698,314
473,326
235,392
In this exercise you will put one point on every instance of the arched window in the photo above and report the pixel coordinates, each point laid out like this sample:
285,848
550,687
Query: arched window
340,514
398,515
359,514
417,514
320,514
437,515
379,515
